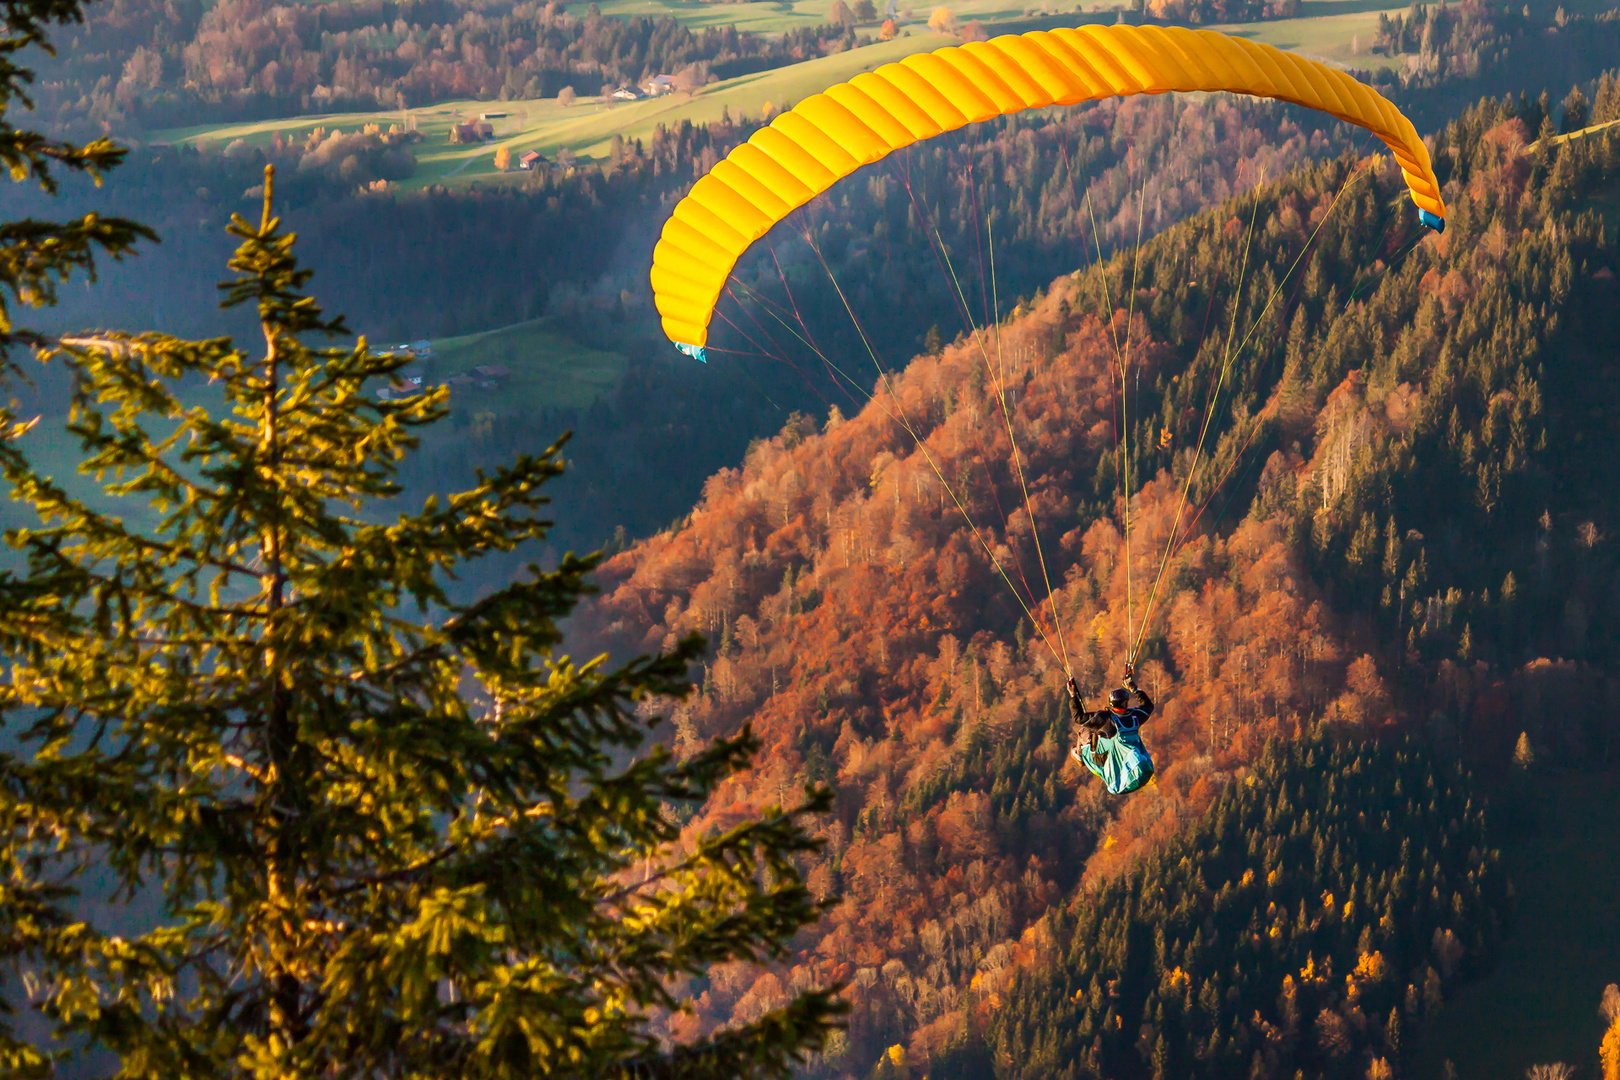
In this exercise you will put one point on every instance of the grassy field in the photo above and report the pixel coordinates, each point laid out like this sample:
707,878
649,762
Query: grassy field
548,369
1585,132
1336,31
780,15
1330,30
773,18
585,128
1540,1003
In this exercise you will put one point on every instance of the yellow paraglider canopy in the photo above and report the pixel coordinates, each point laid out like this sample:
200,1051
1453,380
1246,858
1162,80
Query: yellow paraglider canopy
832,134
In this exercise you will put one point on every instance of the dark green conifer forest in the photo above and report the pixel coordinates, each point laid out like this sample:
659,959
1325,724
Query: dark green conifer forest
1308,923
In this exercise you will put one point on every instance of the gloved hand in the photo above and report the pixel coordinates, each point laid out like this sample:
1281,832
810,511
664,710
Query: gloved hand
1075,704
1130,676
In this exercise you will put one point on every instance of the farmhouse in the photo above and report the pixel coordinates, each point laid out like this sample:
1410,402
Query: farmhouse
659,85
531,159
471,131
403,384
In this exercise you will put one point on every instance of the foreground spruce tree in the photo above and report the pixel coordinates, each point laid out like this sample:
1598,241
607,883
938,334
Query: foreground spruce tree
395,834
35,258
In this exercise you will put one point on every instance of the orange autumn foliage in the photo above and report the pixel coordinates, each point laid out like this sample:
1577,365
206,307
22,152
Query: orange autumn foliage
865,632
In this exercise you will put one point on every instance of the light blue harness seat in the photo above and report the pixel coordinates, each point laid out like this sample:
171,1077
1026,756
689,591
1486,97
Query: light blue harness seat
1122,761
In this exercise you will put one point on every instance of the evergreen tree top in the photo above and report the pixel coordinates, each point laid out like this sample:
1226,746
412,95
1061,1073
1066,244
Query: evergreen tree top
395,833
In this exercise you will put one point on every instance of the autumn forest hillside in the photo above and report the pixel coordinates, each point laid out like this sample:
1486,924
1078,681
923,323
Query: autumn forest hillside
1170,380
1397,527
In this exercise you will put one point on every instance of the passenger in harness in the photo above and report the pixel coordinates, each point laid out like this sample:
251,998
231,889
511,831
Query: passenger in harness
1108,741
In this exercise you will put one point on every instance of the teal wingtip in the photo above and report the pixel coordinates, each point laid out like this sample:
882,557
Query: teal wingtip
1432,220
696,352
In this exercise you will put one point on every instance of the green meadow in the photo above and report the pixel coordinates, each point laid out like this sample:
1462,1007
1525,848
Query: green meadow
1337,31
548,369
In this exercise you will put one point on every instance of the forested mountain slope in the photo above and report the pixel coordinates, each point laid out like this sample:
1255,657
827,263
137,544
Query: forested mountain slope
1401,530
1350,885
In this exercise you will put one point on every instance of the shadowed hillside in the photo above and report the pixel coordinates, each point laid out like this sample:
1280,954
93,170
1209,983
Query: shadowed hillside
1384,515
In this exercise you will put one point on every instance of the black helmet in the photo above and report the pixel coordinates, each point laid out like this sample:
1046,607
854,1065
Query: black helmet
1119,698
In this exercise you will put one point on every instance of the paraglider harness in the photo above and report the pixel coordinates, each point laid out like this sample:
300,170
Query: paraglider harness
1109,740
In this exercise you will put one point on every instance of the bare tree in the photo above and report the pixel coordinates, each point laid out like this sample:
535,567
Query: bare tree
1610,1006
1555,1071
